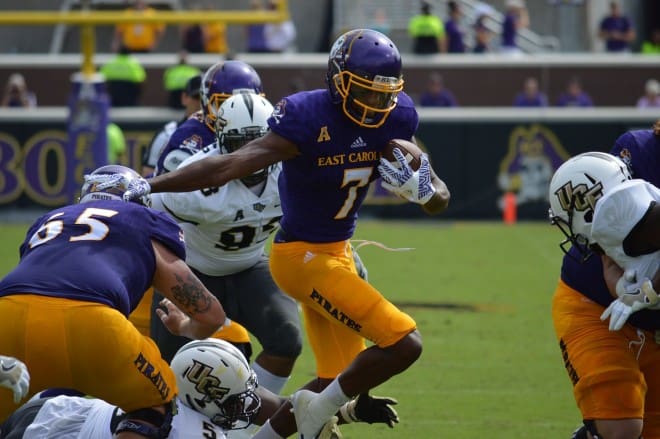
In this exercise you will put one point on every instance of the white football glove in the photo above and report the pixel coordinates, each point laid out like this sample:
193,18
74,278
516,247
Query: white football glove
105,181
415,186
14,375
137,188
633,296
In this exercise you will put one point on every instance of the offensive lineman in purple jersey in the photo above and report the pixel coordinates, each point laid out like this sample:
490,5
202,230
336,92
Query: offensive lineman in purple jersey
219,82
83,268
616,388
330,142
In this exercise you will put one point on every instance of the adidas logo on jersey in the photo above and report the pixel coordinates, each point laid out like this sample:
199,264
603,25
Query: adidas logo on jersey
358,143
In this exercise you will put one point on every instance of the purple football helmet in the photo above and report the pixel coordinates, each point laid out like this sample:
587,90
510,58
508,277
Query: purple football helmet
222,80
364,75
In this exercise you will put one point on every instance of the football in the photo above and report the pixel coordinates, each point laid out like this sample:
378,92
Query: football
410,151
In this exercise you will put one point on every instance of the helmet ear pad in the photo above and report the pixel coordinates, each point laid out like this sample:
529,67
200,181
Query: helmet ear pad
364,76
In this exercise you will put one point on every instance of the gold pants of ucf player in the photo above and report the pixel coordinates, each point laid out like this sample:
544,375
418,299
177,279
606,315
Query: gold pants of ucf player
340,309
84,346
614,373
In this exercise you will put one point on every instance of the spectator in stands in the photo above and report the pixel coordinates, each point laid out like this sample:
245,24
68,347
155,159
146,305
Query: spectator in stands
453,29
530,96
116,143
574,95
436,95
124,76
616,30
175,79
516,18
427,31
652,45
256,40
380,22
215,36
279,37
482,34
193,34
17,93
651,98
138,37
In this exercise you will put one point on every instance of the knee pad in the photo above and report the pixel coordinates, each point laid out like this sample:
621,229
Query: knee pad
159,424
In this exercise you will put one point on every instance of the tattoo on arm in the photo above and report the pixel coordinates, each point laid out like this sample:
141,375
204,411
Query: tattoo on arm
190,294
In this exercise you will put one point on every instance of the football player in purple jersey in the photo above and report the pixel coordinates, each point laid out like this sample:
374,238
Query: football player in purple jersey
330,142
83,268
614,373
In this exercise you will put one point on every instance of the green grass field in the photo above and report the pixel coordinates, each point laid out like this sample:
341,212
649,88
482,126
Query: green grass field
481,294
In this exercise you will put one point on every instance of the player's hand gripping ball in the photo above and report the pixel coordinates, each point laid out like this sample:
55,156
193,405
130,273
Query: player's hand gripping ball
405,171
410,151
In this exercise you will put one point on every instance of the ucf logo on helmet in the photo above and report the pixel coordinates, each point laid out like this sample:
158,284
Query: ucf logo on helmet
579,198
205,383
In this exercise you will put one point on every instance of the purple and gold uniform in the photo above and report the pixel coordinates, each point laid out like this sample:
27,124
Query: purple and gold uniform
83,268
189,137
613,372
321,191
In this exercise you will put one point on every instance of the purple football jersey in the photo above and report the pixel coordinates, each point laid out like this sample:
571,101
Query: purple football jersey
98,251
190,136
640,150
322,188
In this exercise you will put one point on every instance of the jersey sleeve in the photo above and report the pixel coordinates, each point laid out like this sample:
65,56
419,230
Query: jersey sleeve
166,231
290,121
622,148
618,212
190,206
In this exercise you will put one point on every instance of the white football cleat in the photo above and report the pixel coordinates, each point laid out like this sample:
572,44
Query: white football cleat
310,418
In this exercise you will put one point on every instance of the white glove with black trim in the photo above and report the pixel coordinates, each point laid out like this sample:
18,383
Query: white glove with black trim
14,375
415,186
633,295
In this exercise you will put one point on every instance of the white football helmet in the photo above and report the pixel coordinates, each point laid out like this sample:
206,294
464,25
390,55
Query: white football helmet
574,190
243,118
114,180
215,379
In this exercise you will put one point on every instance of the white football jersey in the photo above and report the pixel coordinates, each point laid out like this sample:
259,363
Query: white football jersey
616,214
69,417
225,228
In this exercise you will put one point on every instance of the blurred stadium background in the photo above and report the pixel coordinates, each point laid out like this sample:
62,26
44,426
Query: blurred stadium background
499,372
483,149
